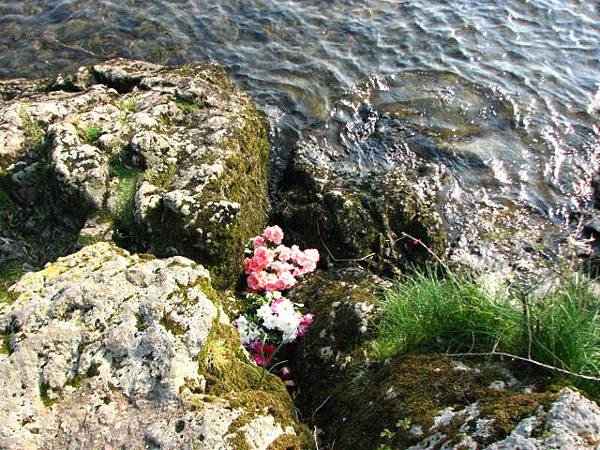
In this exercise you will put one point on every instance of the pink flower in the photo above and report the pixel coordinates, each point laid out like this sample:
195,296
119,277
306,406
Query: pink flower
256,280
283,253
280,267
286,280
295,253
312,254
273,234
307,260
286,373
261,259
271,283
258,241
305,324
275,304
248,265
262,353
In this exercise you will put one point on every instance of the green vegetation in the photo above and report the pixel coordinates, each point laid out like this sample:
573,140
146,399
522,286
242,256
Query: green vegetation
125,197
127,178
185,105
34,133
412,390
89,133
244,181
8,275
566,332
45,396
424,312
428,312
128,104
230,375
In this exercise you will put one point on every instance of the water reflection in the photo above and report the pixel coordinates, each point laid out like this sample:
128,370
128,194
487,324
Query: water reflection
513,104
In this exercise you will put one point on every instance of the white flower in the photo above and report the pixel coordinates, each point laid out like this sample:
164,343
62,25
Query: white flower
249,332
285,318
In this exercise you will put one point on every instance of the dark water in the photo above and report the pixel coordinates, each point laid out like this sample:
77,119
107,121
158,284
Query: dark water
505,92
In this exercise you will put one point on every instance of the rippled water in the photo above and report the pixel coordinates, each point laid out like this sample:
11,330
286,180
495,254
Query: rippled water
505,92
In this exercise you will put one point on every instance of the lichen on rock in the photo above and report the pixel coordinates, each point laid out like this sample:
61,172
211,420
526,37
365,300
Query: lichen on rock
108,349
174,160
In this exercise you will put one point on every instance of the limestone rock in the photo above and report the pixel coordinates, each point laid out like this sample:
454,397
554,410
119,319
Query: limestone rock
175,159
107,349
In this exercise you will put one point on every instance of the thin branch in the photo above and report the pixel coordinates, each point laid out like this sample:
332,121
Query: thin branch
527,360
431,252
320,406
315,438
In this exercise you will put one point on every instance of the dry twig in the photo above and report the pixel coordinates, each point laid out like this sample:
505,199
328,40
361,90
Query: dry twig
527,360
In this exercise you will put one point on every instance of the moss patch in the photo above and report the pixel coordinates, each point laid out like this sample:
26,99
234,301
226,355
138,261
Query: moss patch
45,397
9,274
185,105
5,344
78,381
212,73
244,181
34,133
172,326
414,390
231,375
123,218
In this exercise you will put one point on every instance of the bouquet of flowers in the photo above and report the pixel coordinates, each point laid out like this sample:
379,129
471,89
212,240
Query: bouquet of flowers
270,320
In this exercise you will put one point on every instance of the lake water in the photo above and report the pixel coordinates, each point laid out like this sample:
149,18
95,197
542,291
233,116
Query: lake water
506,93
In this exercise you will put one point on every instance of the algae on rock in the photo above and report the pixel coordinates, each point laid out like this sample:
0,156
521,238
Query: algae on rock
357,216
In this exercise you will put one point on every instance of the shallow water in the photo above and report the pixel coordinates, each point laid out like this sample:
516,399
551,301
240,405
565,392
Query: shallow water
506,93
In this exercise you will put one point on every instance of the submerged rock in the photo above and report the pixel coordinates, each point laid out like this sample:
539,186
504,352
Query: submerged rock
426,150
112,350
168,160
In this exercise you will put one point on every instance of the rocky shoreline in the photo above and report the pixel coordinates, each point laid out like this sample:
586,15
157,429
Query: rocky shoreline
128,192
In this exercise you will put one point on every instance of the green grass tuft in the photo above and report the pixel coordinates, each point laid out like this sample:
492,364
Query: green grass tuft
128,104
427,312
125,194
89,133
185,105
424,312
566,331
34,133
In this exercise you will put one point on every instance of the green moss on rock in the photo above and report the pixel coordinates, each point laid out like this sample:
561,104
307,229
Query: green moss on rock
244,181
232,376
34,133
414,390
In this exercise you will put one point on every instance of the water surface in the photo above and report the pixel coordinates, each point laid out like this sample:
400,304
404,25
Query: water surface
505,93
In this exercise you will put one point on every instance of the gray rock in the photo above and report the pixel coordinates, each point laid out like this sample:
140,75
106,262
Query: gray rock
376,217
175,159
103,351
572,422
